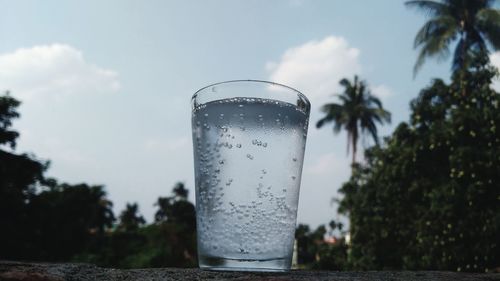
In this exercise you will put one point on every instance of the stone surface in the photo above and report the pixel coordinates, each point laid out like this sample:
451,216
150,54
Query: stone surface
10,271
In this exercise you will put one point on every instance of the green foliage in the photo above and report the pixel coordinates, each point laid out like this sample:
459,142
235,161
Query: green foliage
49,221
130,220
8,106
171,241
65,218
314,252
19,176
176,208
358,111
430,198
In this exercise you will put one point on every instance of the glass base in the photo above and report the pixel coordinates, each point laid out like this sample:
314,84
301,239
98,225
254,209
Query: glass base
227,264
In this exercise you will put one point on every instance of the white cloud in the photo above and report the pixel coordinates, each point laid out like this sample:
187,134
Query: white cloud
382,91
316,67
53,71
495,60
326,164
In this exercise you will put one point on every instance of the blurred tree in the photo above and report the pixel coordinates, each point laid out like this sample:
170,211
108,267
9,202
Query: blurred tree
176,219
130,220
8,107
169,242
19,176
50,221
66,219
314,252
473,23
176,208
304,254
429,199
358,111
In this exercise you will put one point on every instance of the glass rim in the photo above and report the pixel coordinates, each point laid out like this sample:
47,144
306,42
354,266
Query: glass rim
255,81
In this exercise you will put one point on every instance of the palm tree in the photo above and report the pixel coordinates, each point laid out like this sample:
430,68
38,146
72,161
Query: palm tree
470,23
358,111
130,219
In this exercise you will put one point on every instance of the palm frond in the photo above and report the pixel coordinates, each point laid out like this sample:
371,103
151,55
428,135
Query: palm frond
367,125
430,8
374,100
345,83
437,27
345,98
489,16
333,114
435,46
384,115
323,120
493,36
488,23
337,127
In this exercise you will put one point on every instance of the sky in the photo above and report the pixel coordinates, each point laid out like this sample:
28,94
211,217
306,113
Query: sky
106,85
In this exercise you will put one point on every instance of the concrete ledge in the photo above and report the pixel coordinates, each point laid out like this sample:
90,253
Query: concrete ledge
10,271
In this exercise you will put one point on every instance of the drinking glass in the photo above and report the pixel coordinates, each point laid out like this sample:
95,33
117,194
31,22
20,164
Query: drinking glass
249,140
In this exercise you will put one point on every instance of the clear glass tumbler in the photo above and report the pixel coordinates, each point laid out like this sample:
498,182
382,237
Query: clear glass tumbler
249,139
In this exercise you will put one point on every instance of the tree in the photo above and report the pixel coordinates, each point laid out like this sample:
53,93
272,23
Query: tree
176,208
19,176
428,199
8,106
176,219
358,111
66,219
471,24
316,253
130,220
169,242
42,219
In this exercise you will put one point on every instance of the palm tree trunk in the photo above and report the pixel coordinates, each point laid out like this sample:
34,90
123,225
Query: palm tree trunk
354,146
353,152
